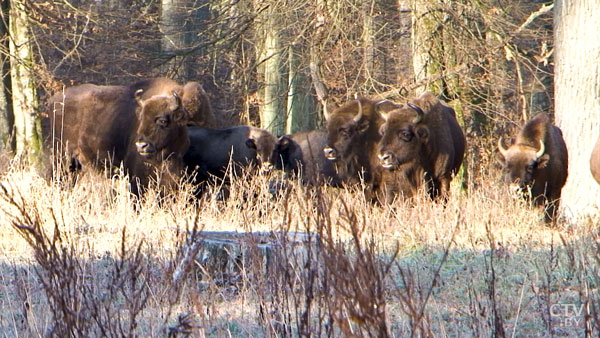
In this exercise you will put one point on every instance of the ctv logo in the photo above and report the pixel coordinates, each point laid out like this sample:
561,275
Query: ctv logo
570,314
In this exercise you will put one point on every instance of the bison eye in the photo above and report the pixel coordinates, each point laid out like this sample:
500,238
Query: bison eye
382,130
529,168
162,122
406,135
344,131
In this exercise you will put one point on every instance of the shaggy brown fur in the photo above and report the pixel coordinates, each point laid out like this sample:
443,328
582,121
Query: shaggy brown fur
421,143
542,171
193,95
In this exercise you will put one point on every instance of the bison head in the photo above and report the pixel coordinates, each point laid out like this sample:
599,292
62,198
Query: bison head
263,143
282,153
402,135
162,126
520,162
344,132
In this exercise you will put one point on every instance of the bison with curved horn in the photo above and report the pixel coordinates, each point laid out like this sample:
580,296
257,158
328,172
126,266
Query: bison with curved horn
536,164
421,144
352,137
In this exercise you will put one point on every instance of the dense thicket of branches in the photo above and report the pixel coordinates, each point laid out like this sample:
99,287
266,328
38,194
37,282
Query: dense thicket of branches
491,60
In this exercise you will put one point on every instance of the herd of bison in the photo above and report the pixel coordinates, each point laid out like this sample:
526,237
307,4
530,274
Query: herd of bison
159,130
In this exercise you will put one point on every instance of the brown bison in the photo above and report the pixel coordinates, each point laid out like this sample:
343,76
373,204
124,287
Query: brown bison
160,140
421,144
352,137
194,98
302,154
595,161
536,164
212,150
98,126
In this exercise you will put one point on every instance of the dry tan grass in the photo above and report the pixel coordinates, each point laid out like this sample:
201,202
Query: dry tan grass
93,213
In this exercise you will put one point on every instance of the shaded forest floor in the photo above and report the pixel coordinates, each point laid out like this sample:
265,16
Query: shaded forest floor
78,256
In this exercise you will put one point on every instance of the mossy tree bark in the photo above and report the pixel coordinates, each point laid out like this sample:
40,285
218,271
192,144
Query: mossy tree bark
25,101
6,114
301,106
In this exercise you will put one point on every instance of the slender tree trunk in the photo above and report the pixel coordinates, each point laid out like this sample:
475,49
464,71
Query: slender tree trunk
273,111
368,43
25,101
6,115
320,89
425,44
300,103
577,95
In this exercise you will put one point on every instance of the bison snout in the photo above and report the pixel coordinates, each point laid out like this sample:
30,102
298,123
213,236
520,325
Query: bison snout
144,148
386,160
516,190
266,167
330,153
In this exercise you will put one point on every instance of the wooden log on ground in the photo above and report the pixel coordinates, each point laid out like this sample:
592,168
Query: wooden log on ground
225,257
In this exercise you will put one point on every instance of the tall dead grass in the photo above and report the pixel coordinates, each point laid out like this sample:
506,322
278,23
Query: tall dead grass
90,260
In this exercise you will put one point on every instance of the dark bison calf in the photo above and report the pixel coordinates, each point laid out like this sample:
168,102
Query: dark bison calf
421,143
212,151
536,164
302,154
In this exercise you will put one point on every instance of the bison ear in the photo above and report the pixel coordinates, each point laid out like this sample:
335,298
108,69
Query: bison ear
542,162
423,133
251,143
363,126
385,106
180,113
500,159
138,96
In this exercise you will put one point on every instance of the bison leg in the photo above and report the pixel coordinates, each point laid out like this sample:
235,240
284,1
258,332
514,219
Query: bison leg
440,188
551,209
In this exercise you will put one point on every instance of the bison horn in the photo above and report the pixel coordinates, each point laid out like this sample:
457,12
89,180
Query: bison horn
503,150
419,111
325,112
138,96
378,108
360,113
541,151
177,99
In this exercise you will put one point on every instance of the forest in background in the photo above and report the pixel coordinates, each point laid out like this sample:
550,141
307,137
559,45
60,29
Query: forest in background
92,260
279,64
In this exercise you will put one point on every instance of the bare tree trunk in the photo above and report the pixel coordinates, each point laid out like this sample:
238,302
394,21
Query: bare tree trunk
300,103
6,114
25,101
577,95
368,44
273,111
424,44
318,36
